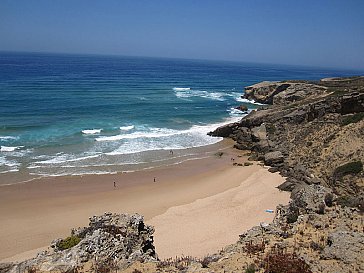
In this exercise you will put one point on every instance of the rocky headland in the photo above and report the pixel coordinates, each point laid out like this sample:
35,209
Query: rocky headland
311,132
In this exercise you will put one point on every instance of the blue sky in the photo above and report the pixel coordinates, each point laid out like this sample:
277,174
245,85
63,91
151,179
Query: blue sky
327,33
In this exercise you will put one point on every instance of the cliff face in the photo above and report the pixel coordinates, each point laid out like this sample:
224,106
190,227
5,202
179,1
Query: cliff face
310,130
312,133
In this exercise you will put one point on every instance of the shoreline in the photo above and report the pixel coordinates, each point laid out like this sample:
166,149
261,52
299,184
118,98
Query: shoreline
182,155
64,203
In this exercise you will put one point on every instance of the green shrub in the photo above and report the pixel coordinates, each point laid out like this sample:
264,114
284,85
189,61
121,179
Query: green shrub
321,209
344,201
360,205
329,197
292,215
337,92
352,118
348,168
250,269
315,246
270,128
68,242
351,201
205,262
279,262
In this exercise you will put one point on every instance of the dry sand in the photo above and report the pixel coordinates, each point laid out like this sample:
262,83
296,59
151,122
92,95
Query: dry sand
197,206
208,224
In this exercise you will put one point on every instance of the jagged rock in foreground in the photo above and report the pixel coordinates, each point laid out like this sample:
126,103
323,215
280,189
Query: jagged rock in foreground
112,240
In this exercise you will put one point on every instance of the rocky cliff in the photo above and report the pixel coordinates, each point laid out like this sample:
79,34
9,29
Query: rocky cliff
312,133
309,132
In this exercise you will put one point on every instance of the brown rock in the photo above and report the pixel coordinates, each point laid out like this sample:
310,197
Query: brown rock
273,158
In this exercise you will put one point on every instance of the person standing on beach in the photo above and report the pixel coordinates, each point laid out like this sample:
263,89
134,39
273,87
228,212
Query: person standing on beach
154,179
114,184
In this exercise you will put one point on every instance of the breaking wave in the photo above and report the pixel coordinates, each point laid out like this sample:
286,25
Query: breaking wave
91,131
181,88
184,93
127,128
9,149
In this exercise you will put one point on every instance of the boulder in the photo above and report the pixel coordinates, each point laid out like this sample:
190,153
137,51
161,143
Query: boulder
264,92
345,246
224,131
6,267
273,158
259,133
243,135
242,108
297,92
243,146
273,170
289,185
352,103
310,198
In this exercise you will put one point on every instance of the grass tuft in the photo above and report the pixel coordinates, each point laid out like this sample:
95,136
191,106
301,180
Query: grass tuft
68,242
352,118
348,168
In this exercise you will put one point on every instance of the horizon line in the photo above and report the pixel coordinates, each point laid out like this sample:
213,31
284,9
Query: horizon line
361,70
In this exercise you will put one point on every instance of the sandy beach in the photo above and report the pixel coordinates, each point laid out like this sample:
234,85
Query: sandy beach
197,206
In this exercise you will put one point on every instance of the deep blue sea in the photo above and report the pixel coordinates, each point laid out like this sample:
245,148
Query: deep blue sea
78,114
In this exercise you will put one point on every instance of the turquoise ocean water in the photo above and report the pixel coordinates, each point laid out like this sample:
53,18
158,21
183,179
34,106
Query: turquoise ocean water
77,114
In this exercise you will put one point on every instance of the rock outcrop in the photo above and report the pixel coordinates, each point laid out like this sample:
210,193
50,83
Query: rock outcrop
242,108
282,93
111,239
272,158
311,128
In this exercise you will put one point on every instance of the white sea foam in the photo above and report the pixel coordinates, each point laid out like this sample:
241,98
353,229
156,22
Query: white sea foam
236,113
91,131
9,149
5,138
64,158
188,93
64,173
181,88
2,160
7,165
54,160
248,101
12,163
132,146
127,128
10,171
165,139
151,133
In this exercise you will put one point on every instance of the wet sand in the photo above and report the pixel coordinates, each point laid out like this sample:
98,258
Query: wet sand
32,214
